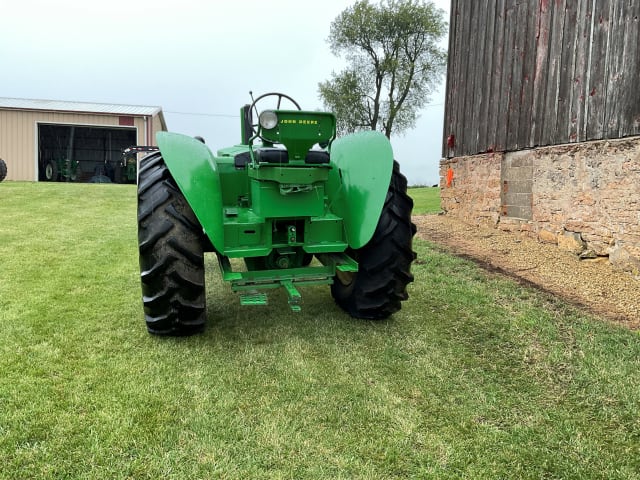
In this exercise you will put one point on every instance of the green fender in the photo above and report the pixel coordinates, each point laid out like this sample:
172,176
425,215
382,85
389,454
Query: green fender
359,181
192,165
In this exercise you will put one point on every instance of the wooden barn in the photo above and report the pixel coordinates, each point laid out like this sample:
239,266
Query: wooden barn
542,122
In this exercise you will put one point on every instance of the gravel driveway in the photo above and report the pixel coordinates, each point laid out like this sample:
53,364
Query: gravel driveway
594,285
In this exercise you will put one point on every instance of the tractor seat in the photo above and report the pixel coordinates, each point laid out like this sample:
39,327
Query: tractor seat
271,155
241,160
279,156
317,157
263,155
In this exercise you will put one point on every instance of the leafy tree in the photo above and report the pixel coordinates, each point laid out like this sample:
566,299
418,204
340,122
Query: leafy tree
394,63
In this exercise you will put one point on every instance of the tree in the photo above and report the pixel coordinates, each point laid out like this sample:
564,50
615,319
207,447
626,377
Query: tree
394,64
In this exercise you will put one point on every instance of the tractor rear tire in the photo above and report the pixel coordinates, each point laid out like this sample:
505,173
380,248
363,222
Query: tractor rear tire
384,264
51,171
3,170
171,246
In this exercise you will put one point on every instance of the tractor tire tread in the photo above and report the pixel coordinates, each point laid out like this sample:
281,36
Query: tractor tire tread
3,170
171,248
380,285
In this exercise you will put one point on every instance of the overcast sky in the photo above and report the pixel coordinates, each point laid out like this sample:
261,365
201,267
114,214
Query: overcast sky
196,59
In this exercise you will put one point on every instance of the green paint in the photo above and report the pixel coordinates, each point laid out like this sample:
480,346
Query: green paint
359,181
298,131
196,173
275,215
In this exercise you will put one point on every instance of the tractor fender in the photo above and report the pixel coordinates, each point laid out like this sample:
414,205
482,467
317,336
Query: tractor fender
194,169
358,183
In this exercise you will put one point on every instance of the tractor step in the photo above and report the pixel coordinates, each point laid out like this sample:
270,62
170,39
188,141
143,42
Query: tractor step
248,283
253,298
259,298
295,299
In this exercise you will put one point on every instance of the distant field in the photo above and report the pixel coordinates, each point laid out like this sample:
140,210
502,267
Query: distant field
476,377
425,200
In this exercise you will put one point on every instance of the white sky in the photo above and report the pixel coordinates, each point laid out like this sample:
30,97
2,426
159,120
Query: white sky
193,56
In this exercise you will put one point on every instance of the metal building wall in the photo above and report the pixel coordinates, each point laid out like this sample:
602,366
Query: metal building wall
19,131
527,73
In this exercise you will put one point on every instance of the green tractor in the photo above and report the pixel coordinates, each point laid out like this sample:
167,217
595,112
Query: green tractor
288,193
126,169
61,169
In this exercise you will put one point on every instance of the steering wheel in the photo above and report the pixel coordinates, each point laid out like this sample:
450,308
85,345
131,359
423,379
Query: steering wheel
280,96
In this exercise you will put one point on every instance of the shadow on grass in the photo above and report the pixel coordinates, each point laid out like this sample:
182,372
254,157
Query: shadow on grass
228,320
276,322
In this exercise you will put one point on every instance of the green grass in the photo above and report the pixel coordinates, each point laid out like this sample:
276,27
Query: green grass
425,200
477,377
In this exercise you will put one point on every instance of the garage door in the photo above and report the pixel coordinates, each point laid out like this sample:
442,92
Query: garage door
82,153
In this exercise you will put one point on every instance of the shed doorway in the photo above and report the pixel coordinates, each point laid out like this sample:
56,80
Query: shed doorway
76,153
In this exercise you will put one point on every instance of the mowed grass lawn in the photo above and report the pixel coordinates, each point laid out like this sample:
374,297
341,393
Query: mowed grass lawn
476,377
425,200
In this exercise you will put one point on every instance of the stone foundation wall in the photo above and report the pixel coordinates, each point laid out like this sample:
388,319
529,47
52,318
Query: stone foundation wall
474,194
584,197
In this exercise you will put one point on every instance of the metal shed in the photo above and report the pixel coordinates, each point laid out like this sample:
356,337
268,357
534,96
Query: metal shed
37,136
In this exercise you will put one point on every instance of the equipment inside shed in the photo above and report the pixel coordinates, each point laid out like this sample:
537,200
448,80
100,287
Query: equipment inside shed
75,153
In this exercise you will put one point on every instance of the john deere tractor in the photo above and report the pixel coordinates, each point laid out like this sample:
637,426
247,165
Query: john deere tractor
291,205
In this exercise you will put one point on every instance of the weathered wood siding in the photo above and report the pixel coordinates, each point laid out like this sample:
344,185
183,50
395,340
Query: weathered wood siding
527,73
